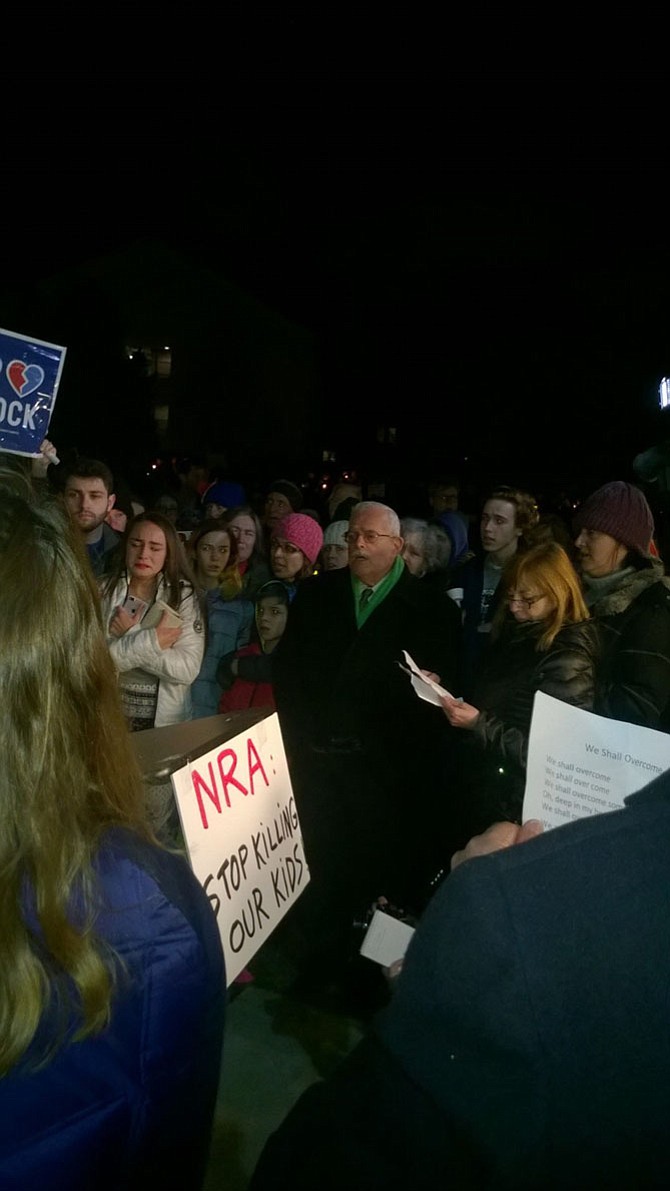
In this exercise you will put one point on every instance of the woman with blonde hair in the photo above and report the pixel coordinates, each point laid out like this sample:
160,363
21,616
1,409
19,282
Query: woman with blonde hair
542,640
111,975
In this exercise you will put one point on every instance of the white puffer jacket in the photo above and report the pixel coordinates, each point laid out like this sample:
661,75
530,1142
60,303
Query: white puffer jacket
176,667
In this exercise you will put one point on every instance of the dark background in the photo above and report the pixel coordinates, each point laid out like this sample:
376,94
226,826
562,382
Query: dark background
482,291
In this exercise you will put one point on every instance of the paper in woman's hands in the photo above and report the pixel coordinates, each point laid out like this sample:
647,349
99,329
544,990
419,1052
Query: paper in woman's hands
424,687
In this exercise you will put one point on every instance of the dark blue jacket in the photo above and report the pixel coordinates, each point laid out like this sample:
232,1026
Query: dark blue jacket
527,1044
130,1107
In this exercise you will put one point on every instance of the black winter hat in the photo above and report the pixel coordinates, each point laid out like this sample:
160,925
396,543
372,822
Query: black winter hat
289,490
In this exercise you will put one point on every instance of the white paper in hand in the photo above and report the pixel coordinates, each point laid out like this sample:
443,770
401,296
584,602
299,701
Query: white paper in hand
424,687
386,939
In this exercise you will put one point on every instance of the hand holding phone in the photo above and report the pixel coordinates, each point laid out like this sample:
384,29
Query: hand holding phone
135,607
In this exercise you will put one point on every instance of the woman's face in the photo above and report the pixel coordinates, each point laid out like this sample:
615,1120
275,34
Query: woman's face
529,604
412,552
286,560
276,506
599,554
335,556
213,553
271,617
146,551
244,530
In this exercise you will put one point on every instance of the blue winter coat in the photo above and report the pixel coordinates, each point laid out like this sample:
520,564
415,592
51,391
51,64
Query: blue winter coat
228,628
131,1106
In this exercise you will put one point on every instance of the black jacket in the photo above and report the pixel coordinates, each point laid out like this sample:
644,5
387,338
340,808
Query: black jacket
526,1045
634,622
513,668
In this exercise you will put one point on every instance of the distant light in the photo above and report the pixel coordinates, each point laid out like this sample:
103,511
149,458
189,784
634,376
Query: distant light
324,486
501,770
166,348
664,393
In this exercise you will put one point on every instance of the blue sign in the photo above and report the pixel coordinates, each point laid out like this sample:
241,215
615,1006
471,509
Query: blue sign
29,377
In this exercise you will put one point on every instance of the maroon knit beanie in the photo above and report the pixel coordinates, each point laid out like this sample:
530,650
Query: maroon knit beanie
620,510
301,531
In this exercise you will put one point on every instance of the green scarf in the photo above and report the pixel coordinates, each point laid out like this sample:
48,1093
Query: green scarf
380,593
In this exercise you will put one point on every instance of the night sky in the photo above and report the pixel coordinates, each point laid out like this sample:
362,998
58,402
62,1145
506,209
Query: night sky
504,296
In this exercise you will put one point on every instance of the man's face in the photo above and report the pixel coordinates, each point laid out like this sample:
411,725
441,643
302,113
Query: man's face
498,525
88,501
370,559
445,499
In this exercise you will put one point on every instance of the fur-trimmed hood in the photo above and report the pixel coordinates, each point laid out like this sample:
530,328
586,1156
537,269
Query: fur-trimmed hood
632,585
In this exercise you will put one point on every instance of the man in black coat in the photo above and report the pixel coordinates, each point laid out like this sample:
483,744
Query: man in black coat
527,1043
366,755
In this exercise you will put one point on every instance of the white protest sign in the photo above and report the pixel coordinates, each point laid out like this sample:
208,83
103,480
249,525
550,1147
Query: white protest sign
243,837
582,764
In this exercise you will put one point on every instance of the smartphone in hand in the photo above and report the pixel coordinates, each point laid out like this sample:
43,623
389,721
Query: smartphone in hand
135,607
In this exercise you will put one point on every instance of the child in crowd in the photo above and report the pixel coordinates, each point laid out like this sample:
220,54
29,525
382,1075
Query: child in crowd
245,675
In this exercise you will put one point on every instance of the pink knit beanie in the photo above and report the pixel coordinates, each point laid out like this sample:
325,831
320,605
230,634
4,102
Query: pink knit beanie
301,531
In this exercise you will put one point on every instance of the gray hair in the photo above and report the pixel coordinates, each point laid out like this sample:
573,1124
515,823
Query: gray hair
390,516
436,543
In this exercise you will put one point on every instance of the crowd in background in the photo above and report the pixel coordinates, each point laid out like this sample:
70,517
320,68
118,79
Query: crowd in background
212,603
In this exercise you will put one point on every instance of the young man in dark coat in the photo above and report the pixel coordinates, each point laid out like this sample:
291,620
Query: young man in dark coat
365,753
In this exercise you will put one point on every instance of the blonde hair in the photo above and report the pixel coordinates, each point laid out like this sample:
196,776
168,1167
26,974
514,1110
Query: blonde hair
68,774
548,569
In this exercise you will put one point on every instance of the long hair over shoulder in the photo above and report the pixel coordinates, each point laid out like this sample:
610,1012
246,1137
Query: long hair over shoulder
68,773
177,574
547,570
230,581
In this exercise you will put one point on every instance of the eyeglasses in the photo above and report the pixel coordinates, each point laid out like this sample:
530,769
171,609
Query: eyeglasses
369,536
528,601
284,547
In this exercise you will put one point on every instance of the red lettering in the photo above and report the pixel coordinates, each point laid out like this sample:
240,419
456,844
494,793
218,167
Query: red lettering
227,776
255,765
198,785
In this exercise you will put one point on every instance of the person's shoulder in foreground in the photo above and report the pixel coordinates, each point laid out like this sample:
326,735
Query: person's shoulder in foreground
134,1103
526,1044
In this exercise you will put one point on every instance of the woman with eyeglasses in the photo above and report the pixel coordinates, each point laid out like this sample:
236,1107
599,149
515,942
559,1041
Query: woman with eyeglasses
228,617
295,545
542,640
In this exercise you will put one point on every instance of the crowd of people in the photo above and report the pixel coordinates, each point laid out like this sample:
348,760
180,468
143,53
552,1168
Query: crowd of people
215,606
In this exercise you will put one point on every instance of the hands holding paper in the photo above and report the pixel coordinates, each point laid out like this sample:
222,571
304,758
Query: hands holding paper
459,714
